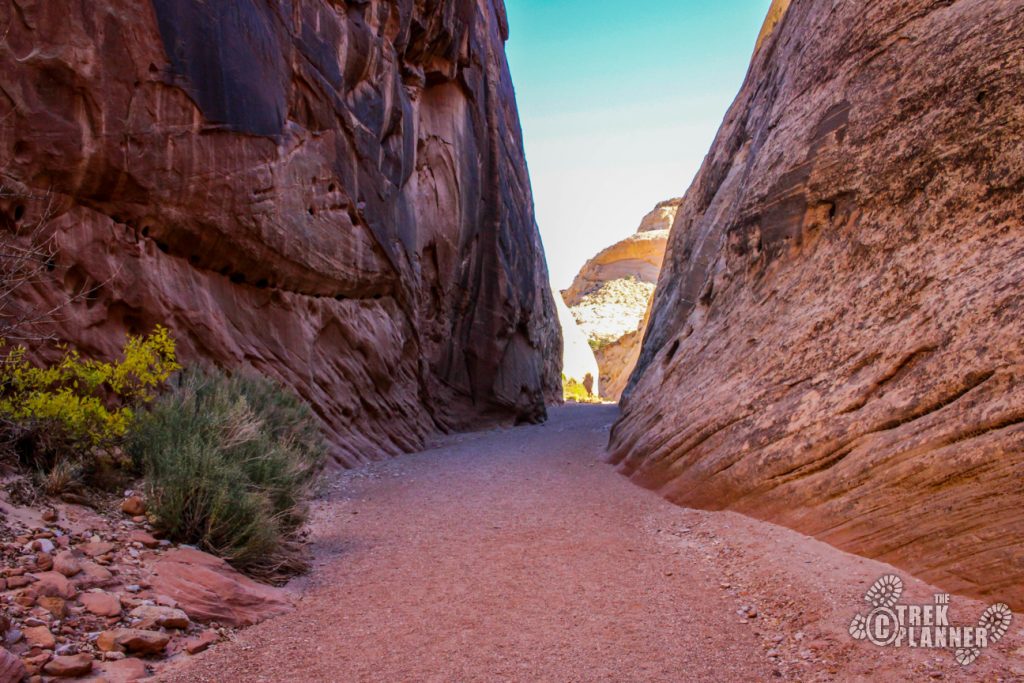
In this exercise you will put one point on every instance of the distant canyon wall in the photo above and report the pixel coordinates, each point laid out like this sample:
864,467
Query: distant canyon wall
611,294
334,194
835,343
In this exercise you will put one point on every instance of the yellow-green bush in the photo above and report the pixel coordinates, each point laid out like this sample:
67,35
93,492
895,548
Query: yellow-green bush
83,403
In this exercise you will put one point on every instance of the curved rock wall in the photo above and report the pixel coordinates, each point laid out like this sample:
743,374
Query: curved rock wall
835,341
332,193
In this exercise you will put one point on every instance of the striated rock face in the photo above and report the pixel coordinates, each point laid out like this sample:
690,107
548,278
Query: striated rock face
835,342
612,292
332,193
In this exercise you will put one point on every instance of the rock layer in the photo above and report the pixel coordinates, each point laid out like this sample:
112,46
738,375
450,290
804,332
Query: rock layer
835,341
334,194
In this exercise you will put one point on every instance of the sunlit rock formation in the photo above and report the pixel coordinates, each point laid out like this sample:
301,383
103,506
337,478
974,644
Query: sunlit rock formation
611,294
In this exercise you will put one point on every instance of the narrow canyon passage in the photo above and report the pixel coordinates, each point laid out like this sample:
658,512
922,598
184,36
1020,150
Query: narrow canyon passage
517,554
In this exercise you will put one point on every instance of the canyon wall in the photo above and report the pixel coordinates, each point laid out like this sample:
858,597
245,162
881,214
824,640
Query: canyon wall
835,343
332,193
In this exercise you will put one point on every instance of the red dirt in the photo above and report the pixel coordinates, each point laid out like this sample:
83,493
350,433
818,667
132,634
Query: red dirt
519,555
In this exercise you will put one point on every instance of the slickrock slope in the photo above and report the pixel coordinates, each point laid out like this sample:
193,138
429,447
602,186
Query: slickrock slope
835,342
612,292
332,193
578,361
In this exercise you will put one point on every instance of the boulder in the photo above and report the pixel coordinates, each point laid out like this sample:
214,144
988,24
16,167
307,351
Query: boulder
93,575
69,666
101,604
206,588
133,506
201,642
133,641
39,636
144,538
158,616
67,562
123,670
54,584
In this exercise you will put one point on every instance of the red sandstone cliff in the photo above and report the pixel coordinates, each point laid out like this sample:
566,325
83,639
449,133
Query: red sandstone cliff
332,193
835,341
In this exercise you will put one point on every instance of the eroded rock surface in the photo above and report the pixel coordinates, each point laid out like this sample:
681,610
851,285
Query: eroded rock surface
334,194
612,293
835,342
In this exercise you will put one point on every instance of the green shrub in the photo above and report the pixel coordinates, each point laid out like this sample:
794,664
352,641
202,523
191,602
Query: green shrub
229,464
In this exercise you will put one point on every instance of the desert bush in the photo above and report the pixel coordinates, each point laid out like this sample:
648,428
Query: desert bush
229,463
66,410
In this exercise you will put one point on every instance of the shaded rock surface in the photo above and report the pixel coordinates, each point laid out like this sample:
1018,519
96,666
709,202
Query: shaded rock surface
334,194
612,292
835,342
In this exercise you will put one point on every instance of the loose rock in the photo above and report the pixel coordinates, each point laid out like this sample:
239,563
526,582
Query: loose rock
69,666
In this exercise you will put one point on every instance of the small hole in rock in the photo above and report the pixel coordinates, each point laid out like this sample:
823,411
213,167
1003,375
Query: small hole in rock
162,246
262,283
331,188
981,97
237,278
312,212
50,264
831,211
19,212
145,231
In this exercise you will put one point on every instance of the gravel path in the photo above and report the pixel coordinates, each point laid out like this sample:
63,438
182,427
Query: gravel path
517,554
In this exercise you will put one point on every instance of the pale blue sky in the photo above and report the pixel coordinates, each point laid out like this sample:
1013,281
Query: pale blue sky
619,103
